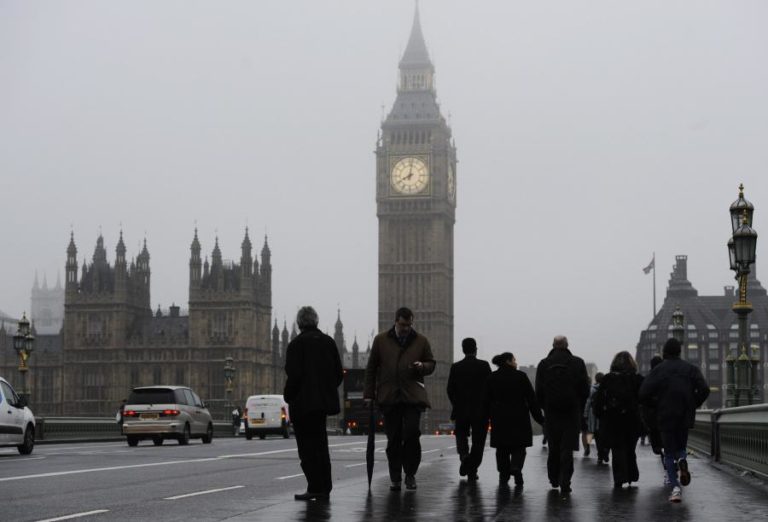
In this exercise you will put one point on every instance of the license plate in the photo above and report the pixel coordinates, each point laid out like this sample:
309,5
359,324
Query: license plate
150,416
257,421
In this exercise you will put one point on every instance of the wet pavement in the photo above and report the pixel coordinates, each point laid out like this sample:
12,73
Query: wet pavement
442,495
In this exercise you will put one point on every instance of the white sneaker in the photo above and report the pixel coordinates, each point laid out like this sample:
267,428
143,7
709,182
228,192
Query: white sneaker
676,495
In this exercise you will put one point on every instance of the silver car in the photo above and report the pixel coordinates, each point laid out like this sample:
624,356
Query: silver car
17,424
166,412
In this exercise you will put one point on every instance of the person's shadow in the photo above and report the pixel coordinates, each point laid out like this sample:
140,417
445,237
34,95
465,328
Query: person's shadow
469,502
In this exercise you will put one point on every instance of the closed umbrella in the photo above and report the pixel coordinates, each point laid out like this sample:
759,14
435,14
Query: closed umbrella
371,445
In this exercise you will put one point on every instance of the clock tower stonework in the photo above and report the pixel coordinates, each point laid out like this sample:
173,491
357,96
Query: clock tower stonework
416,206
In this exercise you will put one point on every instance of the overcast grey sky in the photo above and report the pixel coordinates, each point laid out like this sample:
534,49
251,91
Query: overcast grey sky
589,135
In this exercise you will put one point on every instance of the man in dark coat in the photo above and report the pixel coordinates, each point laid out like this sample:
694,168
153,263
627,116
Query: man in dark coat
466,391
562,388
394,377
676,388
314,373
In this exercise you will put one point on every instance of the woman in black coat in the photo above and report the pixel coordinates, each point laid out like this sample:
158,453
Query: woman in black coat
617,406
511,402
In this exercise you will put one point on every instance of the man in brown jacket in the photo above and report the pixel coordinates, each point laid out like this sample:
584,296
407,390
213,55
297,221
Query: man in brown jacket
394,377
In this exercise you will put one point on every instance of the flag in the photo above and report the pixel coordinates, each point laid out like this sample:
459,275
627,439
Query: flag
650,266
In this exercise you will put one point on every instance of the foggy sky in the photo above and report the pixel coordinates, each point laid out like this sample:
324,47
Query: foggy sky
589,135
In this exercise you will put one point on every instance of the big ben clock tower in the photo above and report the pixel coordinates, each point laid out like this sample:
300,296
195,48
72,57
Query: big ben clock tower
416,205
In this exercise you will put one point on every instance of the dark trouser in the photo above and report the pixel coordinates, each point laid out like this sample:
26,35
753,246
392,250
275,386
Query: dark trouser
509,460
674,443
602,451
401,424
312,443
624,459
474,457
562,433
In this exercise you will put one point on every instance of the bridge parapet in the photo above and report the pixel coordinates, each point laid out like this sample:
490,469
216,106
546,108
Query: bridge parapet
736,436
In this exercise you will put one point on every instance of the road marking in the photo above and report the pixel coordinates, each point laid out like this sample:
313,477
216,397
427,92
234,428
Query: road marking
19,457
111,468
76,515
203,492
290,476
272,452
432,450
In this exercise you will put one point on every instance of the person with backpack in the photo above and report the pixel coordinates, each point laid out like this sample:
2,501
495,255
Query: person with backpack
677,388
562,388
617,406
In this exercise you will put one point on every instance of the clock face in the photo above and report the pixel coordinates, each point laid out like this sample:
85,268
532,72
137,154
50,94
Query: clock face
410,176
451,183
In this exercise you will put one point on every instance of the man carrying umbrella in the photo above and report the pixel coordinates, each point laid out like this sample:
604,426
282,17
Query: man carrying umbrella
394,377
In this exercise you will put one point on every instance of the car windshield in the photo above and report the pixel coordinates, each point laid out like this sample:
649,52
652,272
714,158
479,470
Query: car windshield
152,396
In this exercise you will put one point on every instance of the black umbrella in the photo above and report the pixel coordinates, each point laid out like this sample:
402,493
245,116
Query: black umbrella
371,445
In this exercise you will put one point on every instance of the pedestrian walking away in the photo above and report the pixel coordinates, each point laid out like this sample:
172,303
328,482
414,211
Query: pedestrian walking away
562,388
313,375
648,414
466,389
676,388
512,403
400,358
593,423
617,406
236,420
120,413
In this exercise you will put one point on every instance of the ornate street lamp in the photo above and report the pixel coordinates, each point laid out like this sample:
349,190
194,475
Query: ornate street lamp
678,330
229,377
23,343
741,255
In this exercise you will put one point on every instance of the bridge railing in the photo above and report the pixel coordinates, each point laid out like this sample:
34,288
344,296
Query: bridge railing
736,436
81,429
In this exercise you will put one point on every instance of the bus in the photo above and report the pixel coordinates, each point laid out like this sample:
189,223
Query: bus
356,419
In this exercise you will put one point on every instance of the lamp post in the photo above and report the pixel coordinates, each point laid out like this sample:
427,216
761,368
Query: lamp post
741,255
229,377
23,343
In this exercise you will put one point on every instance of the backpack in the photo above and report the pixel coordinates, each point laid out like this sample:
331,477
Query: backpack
619,396
558,388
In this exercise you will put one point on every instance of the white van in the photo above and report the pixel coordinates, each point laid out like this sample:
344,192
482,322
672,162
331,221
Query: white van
17,424
266,414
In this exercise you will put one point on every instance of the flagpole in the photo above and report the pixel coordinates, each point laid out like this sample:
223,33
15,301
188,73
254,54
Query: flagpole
654,286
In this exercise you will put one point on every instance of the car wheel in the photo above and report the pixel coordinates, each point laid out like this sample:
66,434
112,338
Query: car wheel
133,441
262,436
157,441
184,438
26,447
208,437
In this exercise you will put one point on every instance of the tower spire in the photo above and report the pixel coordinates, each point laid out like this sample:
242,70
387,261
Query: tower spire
416,54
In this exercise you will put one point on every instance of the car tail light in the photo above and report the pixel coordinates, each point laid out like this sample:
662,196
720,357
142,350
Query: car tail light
282,413
169,413
381,423
437,432
130,413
